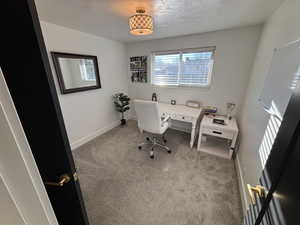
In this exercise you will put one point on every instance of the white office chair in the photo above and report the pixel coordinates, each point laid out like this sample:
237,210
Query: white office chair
150,120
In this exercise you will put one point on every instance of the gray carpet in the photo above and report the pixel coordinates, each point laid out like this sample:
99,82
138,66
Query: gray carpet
123,186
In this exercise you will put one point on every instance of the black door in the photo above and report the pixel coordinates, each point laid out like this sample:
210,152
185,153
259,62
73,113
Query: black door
282,170
280,204
25,65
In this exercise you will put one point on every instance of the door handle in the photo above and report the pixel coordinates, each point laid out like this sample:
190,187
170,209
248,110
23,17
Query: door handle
63,179
255,190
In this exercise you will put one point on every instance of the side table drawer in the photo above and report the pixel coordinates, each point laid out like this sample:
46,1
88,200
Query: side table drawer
218,133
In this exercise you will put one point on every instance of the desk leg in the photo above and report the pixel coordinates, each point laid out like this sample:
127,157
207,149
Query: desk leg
199,140
193,135
233,141
230,153
232,146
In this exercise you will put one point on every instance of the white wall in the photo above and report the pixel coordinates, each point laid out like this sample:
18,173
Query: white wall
90,113
281,28
235,51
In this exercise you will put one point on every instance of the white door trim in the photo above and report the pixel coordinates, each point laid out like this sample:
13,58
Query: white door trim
18,169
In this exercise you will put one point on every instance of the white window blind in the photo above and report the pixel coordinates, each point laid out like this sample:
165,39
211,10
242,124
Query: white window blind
190,67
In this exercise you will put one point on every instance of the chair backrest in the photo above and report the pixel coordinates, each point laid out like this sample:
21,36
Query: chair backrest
148,115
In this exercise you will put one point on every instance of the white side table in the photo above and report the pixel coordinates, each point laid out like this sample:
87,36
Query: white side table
228,131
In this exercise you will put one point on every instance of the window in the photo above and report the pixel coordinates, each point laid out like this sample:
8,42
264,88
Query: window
190,67
87,70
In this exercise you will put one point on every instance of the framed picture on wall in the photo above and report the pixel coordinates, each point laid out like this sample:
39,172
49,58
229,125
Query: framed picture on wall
138,68
76,72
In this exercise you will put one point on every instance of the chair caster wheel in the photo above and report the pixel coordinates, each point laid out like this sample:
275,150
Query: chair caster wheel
152,156
140,147
169,151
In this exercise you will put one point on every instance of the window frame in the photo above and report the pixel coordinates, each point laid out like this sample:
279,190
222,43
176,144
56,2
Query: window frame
180,52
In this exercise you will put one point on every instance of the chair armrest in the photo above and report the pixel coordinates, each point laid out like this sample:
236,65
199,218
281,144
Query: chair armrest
165,119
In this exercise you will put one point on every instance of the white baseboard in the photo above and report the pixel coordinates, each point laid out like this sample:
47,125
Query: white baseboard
83,140
242,184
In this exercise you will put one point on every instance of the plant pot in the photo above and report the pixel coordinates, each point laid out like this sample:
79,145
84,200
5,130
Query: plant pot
123,122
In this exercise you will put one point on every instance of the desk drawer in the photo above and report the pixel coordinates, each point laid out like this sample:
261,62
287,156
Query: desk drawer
218,133
181,117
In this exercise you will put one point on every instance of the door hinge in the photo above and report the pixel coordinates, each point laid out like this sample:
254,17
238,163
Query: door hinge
75,176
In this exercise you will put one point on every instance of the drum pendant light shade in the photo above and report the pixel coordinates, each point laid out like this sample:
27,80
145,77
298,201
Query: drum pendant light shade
141,23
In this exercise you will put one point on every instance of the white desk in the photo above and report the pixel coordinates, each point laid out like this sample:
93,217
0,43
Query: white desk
182,113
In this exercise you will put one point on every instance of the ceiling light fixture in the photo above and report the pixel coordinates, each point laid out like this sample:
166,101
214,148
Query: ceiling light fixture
141,23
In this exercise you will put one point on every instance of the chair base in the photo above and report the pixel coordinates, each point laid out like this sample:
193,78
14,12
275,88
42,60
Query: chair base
154,142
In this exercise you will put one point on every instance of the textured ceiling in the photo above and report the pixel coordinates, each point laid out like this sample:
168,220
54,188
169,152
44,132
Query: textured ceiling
109,18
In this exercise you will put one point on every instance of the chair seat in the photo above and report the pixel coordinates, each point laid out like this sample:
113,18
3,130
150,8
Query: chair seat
162,130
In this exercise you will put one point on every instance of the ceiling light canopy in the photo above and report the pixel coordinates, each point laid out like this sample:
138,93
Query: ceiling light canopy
141,23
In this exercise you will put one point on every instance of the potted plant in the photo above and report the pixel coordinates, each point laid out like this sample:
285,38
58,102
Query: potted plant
121,102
